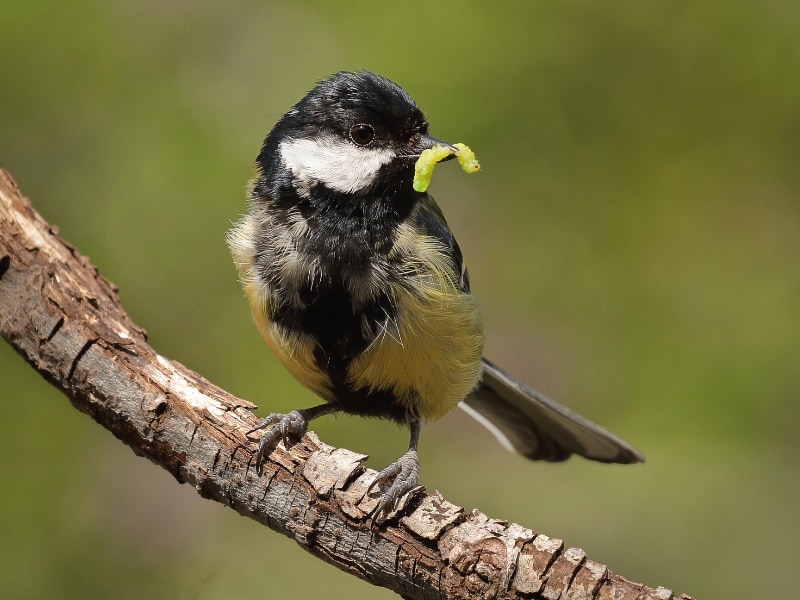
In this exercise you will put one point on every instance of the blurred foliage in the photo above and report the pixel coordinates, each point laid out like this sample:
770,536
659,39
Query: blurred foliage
634,238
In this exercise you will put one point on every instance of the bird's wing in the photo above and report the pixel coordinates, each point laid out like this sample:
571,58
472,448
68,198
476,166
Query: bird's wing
429,220
527,422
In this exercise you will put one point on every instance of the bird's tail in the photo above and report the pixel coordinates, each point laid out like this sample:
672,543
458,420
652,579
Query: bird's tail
538,428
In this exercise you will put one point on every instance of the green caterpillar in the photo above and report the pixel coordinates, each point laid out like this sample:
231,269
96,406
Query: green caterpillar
423,169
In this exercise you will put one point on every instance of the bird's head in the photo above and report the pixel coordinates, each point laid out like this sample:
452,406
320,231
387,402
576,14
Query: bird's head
352,133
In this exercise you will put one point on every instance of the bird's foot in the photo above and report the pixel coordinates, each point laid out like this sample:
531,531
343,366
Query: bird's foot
290,427
404,477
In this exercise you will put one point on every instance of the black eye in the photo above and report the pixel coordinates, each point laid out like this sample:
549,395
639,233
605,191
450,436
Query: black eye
362,134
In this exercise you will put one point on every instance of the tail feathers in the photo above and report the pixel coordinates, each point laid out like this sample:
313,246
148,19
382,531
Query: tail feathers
528,423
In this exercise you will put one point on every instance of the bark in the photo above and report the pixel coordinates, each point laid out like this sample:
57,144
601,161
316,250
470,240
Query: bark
66,320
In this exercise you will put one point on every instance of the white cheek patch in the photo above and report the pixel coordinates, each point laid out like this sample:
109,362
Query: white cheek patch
336,163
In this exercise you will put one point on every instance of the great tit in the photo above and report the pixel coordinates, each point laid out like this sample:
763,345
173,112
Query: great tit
358,286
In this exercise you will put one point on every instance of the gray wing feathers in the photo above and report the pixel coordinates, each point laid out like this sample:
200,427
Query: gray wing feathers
538,428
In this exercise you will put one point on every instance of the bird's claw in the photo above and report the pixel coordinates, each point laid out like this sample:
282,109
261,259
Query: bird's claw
404,475
288,428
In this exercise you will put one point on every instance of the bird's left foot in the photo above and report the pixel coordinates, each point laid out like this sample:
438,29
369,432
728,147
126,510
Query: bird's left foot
404,475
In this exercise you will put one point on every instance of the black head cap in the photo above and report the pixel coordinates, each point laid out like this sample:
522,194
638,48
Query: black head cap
348,95
345,100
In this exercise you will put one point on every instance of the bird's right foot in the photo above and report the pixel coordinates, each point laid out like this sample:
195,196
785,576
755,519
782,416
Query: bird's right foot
289,427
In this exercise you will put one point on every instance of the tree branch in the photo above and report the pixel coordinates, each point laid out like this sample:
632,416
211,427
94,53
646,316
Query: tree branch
66,320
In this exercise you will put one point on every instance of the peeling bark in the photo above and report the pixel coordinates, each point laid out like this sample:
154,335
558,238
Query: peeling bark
67,322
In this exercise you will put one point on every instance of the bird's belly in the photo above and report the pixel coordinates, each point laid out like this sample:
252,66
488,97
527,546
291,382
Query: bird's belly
424,360
428,356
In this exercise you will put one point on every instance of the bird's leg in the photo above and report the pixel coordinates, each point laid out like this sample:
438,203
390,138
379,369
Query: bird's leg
404,473
288,427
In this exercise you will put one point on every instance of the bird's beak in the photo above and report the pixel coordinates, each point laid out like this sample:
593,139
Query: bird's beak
426,142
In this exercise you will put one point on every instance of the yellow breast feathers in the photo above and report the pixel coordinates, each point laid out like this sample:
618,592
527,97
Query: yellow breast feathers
430,354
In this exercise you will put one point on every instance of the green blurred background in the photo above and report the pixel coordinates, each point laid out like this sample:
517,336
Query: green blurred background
634,239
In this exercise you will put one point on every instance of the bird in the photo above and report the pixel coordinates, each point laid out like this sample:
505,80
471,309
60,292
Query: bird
357,284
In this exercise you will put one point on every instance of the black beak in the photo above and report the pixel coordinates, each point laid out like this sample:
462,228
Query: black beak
426,141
